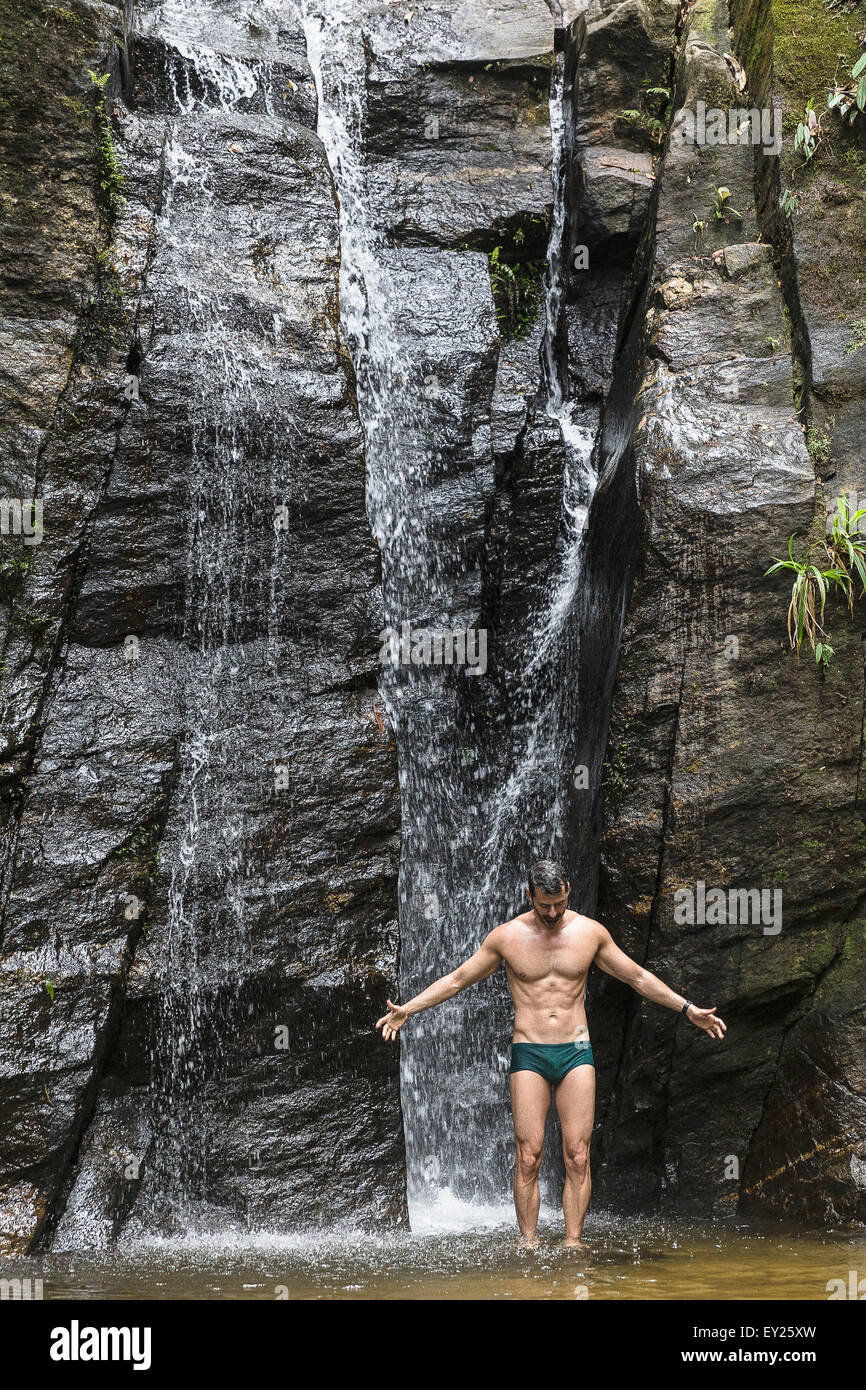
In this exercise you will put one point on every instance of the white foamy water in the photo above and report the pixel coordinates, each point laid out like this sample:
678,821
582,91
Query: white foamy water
466,801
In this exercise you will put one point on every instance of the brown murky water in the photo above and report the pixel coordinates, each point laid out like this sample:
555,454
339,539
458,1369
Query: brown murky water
625,1259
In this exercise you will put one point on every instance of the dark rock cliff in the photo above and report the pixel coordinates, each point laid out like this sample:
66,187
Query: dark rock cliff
593,457
731,761
199,787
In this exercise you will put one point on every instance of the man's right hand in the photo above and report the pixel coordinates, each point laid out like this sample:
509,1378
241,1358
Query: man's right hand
391,1022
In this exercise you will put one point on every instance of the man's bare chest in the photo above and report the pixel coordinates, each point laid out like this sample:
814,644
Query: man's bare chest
564,963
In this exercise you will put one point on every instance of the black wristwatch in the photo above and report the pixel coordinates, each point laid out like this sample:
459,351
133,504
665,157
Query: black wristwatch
686,1006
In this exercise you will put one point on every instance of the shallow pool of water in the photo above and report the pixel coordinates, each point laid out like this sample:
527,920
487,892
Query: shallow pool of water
445,1257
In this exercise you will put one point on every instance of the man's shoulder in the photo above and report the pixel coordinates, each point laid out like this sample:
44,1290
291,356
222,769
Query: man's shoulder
589,927
509,928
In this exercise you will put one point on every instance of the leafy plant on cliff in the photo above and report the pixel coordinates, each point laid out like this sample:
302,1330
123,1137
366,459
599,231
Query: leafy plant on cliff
516,288
722,210
849,98
808,597
618,757
18,568
818,441
845,549
647,124
807,136
110,168
137,842
12,574
824,654
846,545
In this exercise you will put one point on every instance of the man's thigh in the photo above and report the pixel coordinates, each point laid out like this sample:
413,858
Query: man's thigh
530,1102
575,1104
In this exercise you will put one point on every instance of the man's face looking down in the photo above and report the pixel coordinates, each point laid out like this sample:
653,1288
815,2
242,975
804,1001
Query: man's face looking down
550,908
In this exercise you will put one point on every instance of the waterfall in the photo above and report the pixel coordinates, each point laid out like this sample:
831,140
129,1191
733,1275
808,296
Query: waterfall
232,627
486,763
208,840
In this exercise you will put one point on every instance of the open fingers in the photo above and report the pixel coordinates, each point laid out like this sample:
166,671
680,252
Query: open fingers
386,1023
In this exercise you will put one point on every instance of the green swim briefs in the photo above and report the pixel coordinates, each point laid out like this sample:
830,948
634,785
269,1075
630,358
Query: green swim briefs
553,1061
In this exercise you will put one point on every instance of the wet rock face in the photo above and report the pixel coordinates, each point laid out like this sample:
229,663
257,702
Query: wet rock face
730,762
626,50
202,814
459,150
808,1152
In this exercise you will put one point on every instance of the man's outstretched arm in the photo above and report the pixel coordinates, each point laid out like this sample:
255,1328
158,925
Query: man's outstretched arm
615,962
485,960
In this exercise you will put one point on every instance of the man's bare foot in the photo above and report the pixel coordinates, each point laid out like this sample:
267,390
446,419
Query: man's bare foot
527,1243
574,1243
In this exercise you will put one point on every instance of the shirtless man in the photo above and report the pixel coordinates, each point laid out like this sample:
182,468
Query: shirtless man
547,952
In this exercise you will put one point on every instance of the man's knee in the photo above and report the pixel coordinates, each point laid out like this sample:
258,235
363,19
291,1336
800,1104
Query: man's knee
576,1157
528,1158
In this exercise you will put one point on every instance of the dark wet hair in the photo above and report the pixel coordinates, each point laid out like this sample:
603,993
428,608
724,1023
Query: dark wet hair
547,875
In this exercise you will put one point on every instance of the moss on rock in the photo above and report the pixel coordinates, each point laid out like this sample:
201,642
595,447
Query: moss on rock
811,43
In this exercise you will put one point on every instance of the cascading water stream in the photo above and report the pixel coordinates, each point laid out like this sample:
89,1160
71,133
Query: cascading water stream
205,856
210,753
547,730
477,797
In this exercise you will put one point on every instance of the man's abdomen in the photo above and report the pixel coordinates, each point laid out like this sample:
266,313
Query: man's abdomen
551,1026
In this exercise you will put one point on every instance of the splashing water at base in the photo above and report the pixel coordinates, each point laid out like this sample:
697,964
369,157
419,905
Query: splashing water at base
625,1259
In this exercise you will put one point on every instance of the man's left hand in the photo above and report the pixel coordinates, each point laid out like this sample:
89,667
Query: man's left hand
707,1019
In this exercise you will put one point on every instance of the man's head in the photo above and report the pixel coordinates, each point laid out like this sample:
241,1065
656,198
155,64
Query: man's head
548,892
